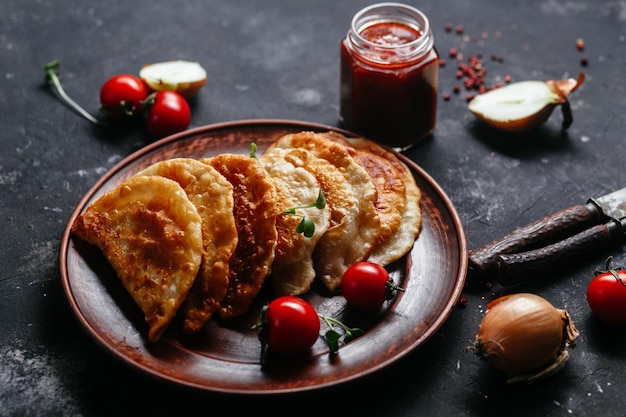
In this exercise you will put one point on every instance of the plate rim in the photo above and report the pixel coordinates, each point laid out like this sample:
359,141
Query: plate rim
92,190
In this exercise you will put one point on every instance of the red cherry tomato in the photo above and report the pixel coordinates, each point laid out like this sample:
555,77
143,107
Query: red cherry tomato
122,95
167,113
293,325
606,295
366,285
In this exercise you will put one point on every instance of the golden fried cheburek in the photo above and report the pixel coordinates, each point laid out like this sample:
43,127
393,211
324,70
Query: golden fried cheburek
390,194
350,194
293,270
255,210
399,243
201,237
212,195
151,234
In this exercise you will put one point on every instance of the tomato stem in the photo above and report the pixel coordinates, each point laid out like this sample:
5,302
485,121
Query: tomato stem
392,288
52,77
261,327
612,269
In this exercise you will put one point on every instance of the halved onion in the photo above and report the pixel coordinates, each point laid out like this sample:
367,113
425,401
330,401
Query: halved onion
525,105
184,77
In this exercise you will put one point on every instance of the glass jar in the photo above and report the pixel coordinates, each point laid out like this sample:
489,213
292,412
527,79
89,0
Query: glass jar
389,75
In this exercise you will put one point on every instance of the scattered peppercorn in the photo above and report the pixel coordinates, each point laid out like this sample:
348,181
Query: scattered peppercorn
442,62
462,303
471,71
580,44
584,61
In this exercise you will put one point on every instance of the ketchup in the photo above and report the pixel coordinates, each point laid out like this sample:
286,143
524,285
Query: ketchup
389,75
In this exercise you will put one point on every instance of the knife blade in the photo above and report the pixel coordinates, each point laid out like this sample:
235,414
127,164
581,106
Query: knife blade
548,230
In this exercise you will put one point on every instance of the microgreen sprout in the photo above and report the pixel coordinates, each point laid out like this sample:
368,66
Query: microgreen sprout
253,150
306,225
52,78
333,337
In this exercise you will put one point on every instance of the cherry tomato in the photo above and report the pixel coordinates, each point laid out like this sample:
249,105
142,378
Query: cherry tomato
122,95
367,285
293,325
606,295
167,113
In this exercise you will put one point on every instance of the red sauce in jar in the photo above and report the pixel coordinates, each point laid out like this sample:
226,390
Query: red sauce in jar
386,96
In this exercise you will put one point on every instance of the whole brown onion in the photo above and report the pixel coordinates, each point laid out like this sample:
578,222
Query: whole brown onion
523,333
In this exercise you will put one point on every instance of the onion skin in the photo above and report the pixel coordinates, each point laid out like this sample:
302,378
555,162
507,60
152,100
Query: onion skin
522,333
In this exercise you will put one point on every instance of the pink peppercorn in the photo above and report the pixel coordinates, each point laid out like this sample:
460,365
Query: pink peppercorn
580,44
462,303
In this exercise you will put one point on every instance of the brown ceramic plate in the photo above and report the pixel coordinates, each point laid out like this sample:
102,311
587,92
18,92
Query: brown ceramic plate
225,357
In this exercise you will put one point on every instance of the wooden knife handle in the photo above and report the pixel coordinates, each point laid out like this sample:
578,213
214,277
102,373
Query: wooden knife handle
534,235
515,268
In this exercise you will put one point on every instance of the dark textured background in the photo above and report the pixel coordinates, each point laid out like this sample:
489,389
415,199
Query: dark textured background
279,59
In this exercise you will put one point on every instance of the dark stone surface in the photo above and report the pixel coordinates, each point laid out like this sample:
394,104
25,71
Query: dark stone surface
279,59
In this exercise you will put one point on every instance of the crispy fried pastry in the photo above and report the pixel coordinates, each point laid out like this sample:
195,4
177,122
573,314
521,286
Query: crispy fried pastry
255,210
351,195
212,195
401,241
390,190
293,271
151,234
